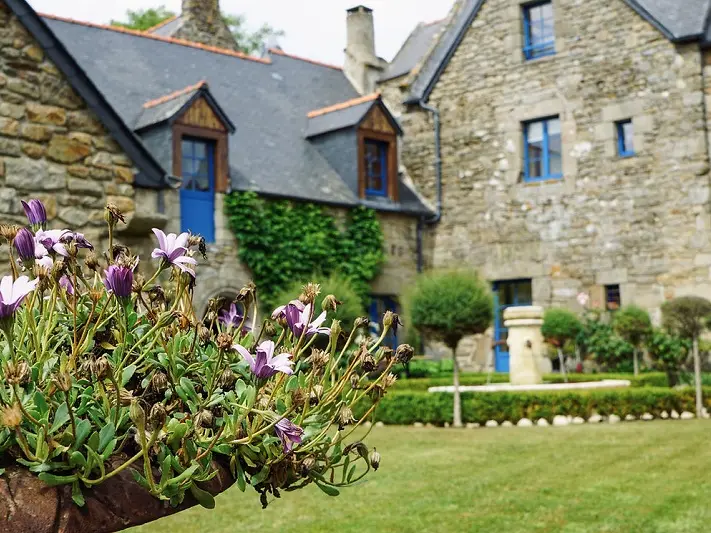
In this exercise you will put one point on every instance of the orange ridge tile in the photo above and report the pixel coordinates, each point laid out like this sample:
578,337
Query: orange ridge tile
161,24
171,96
312,61
343,105
170,40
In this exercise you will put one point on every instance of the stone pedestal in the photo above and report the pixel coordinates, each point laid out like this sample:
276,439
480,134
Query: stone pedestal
526,346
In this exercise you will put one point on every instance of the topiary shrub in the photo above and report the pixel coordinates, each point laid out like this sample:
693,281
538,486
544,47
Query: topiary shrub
118,405
559,327
668,353
633,324
447,305
599,341
687,317
347,312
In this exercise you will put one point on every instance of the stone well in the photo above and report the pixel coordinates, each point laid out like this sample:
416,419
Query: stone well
526,345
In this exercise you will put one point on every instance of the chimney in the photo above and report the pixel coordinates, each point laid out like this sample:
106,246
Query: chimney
202,23
362,66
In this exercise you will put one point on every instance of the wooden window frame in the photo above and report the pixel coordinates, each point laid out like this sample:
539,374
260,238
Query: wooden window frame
220,138
392,169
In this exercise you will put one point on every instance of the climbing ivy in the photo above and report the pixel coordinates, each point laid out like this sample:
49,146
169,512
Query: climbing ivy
282,241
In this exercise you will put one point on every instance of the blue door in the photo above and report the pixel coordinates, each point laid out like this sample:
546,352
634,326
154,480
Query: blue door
513,293
378,306
197,196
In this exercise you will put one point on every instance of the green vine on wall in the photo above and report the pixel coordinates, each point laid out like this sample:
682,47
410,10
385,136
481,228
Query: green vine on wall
281,241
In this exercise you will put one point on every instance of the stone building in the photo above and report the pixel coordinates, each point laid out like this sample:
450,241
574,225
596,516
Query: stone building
574,149
164,123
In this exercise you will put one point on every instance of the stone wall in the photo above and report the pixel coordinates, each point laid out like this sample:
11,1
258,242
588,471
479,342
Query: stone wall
640,222
51,145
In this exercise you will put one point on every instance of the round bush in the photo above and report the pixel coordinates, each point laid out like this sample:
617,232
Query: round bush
686,316
633,324
560,326
447,305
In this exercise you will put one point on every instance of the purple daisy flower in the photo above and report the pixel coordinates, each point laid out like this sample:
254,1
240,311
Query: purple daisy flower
80,241
13,293
172,249
66,284
232,317
53,240
298,320
25,244
265,364
289,434
119,280
36,213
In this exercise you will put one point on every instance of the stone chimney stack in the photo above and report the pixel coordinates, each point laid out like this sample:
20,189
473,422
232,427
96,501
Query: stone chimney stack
202,23
362,66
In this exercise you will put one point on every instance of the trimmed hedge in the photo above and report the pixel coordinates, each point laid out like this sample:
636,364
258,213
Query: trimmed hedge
404,408
650,379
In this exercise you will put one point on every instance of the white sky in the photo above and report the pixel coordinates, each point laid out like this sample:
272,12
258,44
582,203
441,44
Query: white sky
314,28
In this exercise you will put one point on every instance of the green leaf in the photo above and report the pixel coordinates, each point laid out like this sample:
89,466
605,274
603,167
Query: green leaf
204,498
331,491
77,496
261,476
127,374
41,403
77,459
166,470
61,417
53,480
241,480
2,471
105,435
94,441
83,430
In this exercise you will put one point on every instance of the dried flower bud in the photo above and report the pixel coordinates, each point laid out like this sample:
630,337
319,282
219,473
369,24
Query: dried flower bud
184,322
63,381
269,330
156,295
101,368
318,359
355,381
71,248
204,419
315,395
388,381
139,281
227,379
9,231
360,448
113,215
389,318
138,415
298,398
307,465
386,352
157,416
11,416
375,459
92,262
59,268
345,417
404,353
309,292
225,341
17,374
330,303
368,363
95,295
336,329
247,293
361,322
159,382
166,319
198,241
279,474
125,397
204,333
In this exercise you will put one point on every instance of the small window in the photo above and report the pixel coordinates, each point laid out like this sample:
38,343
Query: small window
538,30
197,195
612,297
625,138
543,150
376,168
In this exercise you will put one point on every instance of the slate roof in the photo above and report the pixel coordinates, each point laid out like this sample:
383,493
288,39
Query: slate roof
413,50
678,20
267,100
168,27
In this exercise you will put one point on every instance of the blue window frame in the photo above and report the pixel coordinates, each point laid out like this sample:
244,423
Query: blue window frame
197,195
509,293
542,150
378,306
625,138
538,30
376,168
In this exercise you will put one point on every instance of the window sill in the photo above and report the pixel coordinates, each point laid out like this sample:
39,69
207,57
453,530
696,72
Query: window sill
547,179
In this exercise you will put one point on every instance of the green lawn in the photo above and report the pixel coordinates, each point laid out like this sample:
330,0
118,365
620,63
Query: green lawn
650,477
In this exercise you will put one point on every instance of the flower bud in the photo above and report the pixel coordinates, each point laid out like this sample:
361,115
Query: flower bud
368,363
225,341
309,293
157,416
269,330
113,215
24,243
166,319
63,381
307,465
159,382
298,398
388,318
92,262
17,374
227,379
139,281
204,333
204,419
184,322
375,459
345,417
137,414
388,381
11,416
355,381
330,303
9,231
318,359
247,293
361,322
315,395
335,330
404,353
102,368
360,448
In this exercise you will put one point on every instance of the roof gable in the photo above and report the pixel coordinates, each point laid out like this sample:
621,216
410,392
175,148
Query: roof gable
677,20
367,111
413,50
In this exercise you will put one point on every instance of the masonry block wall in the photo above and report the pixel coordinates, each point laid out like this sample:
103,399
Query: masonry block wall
641,222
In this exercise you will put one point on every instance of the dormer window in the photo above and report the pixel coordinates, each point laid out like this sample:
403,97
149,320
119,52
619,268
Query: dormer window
376,168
